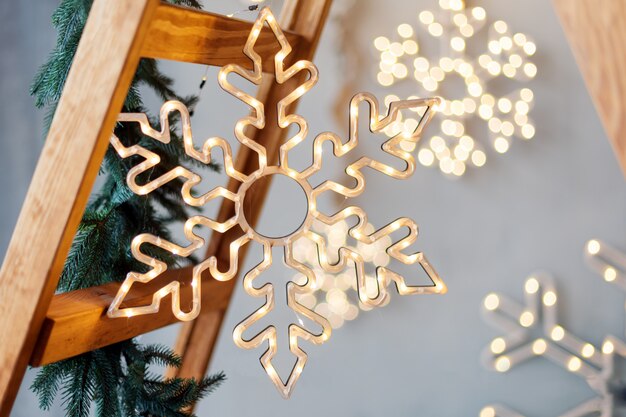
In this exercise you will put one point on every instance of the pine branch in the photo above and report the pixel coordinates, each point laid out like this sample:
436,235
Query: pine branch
79,391
117,378
46,384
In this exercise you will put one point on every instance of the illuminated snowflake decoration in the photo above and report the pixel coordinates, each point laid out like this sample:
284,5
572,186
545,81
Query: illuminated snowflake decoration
331,259
602,367
335,296
453,148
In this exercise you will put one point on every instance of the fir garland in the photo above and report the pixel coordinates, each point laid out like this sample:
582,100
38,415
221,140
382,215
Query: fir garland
117,378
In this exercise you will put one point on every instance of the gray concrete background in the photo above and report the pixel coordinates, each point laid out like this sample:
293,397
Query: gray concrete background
533,208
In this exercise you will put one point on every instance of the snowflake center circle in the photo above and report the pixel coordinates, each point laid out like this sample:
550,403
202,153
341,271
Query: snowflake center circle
287,201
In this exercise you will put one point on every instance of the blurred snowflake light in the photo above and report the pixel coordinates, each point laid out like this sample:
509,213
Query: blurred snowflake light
505,57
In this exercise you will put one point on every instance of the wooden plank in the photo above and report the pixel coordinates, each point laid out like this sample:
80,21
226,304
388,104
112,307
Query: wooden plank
105,62
77,323
187,35
197,338
596,31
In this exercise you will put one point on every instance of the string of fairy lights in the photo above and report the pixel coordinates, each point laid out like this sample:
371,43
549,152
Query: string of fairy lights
374,247
459,142
335,296
595,364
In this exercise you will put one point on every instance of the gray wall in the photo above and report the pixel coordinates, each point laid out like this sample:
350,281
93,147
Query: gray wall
533,208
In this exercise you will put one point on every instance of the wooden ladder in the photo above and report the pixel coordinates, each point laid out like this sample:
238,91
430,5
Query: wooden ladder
596,31
39,327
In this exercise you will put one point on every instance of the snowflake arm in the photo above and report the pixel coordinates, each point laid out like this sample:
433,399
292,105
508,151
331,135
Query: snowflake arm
384,276
269,334
191,179
558,345
158,267
258,119
377,124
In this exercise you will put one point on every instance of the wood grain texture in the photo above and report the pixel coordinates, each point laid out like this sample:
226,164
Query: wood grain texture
77,323
197,338
105,62
596,31
198,37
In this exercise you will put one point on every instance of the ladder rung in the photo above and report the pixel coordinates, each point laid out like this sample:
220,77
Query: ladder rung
76,321
188,35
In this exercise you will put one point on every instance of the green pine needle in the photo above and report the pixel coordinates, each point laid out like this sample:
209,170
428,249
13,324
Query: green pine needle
117,378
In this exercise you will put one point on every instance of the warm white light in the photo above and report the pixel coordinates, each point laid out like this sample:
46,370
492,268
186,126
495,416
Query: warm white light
530,48
381,43
500,26
410,47
608,347
426,157
574,364
466,143
459,19
503,364
458,168
609,274
457,4
520,119
588,350
549,298
515,60
522,107
526,319
557,333
485,112
531,286
475,89
507,128
505,57
479,13
488,412
385,79
492,301
446,64
501,145
519,39
526,94
421,64
399,71
494,68
435,29
437,144
528,131
457,43
505,105
539,347
494,47
426,17
506,43
467,30
405,30
437,74
446,164
530,69
593,247
461,153
396,49
430,84
509,70
479,158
